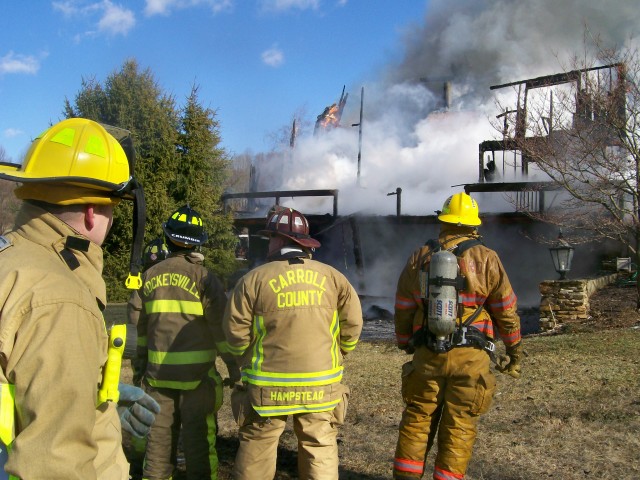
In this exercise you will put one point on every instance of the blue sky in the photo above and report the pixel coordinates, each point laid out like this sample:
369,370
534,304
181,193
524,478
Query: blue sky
256,61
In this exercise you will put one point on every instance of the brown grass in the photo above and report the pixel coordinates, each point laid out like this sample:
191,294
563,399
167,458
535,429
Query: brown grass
574,414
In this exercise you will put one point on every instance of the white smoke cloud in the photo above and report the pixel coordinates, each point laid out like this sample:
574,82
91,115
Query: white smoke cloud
484,42
409,141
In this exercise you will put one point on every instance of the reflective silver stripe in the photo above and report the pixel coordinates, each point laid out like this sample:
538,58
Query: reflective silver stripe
4,243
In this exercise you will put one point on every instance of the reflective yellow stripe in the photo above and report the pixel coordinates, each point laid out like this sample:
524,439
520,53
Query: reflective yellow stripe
306,379
272,410
223,347
181,358
256,376
237,351
173,384
259,332
191,385
142,341
335,332
174,306
7,413
348,346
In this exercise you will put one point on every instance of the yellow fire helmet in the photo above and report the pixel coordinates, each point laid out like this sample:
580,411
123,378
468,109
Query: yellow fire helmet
79,161
460,209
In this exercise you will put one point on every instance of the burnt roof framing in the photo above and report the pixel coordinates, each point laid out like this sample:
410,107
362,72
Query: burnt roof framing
519,142
278,194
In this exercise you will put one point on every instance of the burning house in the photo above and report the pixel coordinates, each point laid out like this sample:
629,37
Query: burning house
330,117
371,248
427,137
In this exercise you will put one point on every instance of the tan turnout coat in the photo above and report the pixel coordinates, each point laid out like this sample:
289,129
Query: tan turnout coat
290,321
53,345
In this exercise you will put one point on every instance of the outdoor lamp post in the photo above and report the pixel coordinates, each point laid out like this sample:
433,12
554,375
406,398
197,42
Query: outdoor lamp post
562,255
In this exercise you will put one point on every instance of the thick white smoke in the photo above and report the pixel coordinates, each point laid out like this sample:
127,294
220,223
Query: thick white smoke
409,141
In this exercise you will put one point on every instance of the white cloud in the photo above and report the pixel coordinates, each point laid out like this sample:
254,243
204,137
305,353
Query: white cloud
16,63
68,8
274,57
164,7
157,7
116,19
13,132
282,5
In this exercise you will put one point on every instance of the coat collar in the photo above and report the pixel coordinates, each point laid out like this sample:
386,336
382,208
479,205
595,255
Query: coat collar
83,257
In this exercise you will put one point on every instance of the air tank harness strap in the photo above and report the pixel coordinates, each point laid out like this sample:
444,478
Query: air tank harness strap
469,336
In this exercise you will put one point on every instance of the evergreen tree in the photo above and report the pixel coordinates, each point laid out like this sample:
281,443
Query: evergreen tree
131,99
202,170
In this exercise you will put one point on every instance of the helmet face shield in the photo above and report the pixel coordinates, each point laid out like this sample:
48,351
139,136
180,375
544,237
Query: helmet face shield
125,140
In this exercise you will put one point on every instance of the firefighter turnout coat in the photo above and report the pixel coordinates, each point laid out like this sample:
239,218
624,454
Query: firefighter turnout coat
179,336
180,326
445,393
53,345
487,285
289,321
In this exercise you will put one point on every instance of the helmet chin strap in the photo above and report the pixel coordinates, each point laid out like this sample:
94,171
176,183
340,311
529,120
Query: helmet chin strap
134,280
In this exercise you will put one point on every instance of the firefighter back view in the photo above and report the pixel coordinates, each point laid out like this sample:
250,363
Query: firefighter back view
179,337
453,300
54,346
289,322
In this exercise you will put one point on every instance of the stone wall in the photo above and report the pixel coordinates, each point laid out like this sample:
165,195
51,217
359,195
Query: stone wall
564,301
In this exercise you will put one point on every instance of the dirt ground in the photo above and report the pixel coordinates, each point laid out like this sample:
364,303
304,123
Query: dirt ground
613,307
534,429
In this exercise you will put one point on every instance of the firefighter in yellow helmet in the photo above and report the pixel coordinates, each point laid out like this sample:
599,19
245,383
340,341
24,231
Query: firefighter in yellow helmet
53,339
453,300
179,337
289,322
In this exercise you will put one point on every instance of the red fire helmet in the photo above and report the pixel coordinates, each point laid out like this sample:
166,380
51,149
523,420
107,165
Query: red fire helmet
291,224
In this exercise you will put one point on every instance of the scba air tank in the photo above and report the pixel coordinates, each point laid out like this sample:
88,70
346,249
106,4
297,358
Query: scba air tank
443,295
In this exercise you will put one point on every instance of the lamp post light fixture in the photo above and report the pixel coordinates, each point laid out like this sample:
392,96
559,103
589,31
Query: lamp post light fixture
561,255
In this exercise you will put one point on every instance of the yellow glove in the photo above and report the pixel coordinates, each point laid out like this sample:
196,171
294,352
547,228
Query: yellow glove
509,364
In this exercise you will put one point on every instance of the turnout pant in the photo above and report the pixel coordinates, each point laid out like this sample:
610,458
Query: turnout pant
194,411
445,394
259,436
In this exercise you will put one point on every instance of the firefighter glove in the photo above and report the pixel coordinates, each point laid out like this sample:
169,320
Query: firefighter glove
407,348
509,364
137,410
235,375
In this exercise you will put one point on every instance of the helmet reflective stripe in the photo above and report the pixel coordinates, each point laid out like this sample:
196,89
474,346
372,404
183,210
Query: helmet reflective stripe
94,145
182,217
185,228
